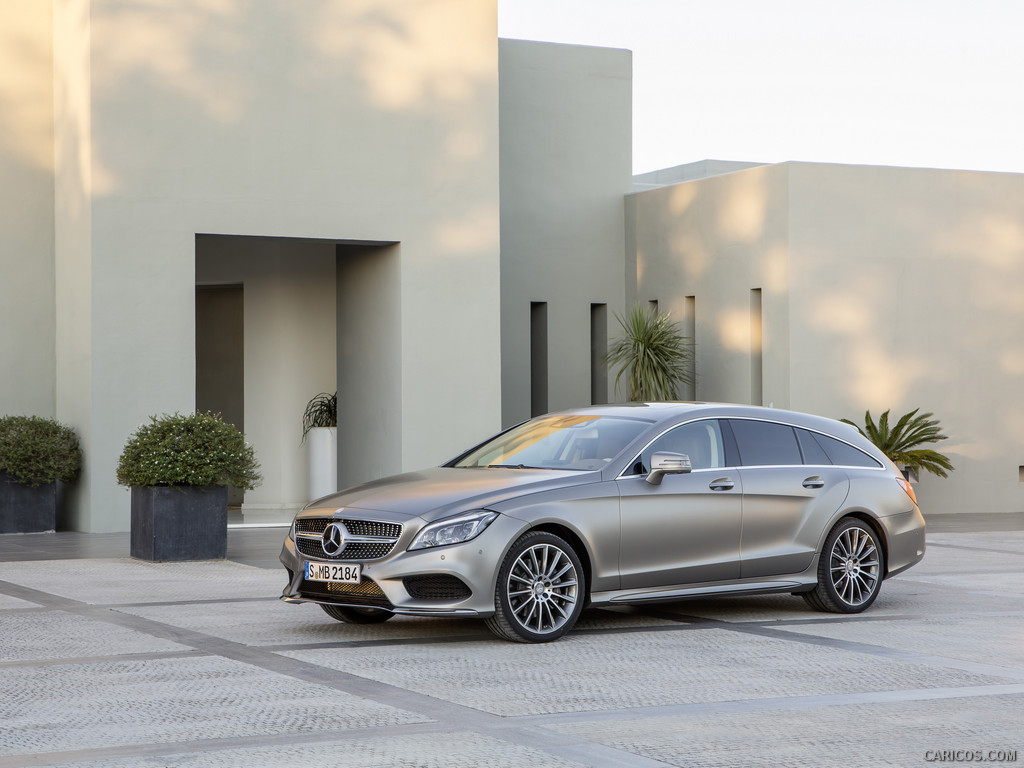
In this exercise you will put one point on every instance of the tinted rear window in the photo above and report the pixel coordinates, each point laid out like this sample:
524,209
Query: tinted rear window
844,454
764,443
812,450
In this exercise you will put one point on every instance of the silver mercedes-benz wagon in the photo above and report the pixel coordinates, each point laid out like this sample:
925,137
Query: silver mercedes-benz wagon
614,505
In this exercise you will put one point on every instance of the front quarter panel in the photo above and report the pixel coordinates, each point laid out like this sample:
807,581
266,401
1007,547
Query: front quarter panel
590,512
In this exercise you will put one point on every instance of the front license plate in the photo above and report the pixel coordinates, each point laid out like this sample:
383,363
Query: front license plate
347,574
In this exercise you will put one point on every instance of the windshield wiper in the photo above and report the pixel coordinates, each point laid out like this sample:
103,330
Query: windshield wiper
513,466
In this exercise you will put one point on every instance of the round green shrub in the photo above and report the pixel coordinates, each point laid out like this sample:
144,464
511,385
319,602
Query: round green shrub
188,449
36,451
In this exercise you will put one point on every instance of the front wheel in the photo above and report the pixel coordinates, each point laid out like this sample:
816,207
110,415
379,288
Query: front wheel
355,615
540,590
849,570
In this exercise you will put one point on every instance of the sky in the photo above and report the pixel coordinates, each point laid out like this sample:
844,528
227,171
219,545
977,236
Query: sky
924,83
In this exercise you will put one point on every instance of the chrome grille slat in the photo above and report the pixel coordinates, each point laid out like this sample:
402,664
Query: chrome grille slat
365,539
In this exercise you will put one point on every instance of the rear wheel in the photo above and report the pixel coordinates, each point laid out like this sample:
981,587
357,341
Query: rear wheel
356,615
849,570
540,590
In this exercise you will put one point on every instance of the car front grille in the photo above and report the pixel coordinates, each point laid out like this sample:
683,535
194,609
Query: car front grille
438,587
364,539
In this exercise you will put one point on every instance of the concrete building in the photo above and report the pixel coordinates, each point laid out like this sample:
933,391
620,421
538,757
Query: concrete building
235,206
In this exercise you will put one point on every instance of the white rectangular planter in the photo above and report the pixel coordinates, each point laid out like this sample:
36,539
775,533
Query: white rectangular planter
322,451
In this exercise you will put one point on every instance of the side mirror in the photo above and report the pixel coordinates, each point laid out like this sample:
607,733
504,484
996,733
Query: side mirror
665,463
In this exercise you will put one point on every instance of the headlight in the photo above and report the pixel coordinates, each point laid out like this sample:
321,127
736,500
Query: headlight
454,530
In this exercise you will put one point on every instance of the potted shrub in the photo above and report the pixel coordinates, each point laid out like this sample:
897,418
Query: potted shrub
178,468
35,454
320,433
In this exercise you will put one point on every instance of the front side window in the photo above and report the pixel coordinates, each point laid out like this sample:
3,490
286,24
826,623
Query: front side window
700,440
573,442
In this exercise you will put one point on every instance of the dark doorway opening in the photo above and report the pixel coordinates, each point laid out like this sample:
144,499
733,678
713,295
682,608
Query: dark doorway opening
220,357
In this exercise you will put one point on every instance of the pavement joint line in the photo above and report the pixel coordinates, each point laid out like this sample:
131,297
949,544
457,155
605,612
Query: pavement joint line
81,660
172,603
773,704
969,548
169,749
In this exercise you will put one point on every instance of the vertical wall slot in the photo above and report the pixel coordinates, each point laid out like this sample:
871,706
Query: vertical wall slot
689,328
598,350
756,349
538,357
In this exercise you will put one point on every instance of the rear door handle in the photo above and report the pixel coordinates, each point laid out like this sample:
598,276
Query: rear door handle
722,484
814,482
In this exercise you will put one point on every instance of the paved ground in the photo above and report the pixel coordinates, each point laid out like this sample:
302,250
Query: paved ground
113,662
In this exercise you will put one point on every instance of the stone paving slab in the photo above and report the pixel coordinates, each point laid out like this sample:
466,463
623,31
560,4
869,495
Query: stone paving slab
116,702
584,673
124,580
452,750
56,635
997,639
899,734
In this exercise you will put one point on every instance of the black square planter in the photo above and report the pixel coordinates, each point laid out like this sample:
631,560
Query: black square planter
24,509
187,523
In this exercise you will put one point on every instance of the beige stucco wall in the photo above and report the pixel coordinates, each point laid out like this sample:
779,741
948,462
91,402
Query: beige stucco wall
716,240
882,288
905,288
565,166
368,122
27,302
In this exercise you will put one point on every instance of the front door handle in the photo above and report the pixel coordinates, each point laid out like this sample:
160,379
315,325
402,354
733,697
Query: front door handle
814,482
722,484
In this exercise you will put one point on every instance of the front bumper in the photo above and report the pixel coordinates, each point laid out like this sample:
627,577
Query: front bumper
453,580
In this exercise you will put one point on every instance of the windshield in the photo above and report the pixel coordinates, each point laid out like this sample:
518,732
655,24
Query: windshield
575,442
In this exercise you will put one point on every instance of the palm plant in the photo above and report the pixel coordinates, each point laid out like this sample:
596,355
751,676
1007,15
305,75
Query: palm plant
655,354
901,441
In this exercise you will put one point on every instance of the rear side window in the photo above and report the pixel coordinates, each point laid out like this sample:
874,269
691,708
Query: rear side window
844,454
814,454
764,443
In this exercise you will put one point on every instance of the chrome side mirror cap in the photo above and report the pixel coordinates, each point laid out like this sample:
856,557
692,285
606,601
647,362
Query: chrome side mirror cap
665,463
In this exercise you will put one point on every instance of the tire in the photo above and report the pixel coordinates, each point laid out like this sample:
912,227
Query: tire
353,615
850,569
540,590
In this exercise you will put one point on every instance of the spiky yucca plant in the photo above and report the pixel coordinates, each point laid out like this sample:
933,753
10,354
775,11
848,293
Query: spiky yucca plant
901,441
654,353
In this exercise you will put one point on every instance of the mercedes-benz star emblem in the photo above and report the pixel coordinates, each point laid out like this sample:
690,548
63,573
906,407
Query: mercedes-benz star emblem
333,540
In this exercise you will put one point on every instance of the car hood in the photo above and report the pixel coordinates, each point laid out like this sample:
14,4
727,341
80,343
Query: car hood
435,493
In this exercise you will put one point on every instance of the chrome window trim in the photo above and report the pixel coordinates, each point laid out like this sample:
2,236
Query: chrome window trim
629,465
631,462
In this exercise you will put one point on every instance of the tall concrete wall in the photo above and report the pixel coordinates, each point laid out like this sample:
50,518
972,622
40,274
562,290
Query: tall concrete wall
881,288
27,281
372,122
565,166
905,293
717,240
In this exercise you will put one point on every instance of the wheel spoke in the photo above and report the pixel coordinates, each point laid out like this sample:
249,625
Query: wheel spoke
854,565
542,588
